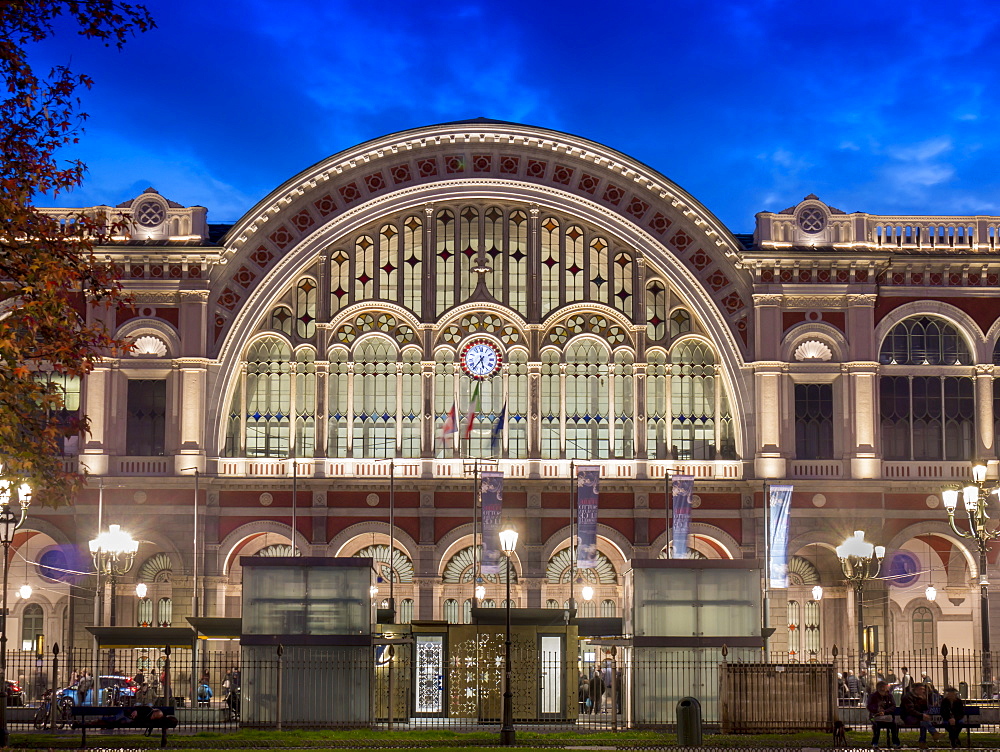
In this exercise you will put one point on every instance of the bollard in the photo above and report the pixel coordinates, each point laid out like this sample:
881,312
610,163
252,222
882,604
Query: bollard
53,705
689,722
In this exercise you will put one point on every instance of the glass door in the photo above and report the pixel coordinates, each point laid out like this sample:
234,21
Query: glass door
552,676
429,680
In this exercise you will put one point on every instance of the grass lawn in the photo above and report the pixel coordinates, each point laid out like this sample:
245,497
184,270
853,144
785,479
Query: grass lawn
445,740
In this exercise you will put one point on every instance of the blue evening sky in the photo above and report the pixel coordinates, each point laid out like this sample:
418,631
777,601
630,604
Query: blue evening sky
874,106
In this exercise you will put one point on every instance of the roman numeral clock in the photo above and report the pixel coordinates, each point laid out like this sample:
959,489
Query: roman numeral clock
481,359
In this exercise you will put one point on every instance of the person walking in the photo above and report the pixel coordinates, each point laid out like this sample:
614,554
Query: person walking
853,685
596,690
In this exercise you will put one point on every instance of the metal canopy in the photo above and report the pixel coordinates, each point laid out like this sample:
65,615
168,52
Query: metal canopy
216,628
143,637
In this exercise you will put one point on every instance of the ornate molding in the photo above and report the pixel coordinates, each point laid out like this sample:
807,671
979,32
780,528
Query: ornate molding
150,296
861,300
194,295
815,301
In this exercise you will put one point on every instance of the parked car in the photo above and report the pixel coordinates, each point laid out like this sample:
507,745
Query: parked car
15,695
114,690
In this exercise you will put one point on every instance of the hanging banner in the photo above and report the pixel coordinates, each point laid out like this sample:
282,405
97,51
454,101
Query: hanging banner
777,565
491,494
588,479
681,489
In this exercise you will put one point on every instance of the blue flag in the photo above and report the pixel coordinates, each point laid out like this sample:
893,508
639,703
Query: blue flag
498,428
681,488
491,498
781,505
588,479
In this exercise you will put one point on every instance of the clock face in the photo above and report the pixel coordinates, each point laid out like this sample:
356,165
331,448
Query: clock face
481,359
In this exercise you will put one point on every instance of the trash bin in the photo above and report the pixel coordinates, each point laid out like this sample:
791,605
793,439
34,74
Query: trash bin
688,722
963,690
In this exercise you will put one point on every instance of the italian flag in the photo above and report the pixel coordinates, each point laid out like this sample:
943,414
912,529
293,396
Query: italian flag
475,407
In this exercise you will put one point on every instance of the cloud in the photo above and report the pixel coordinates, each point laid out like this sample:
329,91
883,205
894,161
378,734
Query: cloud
923,151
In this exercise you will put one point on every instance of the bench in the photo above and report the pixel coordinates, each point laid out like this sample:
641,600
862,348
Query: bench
82,712
969,722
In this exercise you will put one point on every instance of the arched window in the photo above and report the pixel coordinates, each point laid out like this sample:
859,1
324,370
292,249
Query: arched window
588,609
281,320
551,266
375,399
337,404
451,611
623,406
32,626
444,260
575,263
144,612
364,268
656,310
622,299
551,411
164,612
305,308
461,568
488,603
517,261
923,629
810,627
657,405
516,421
406,611
388,262
608,609
444,395
413,263
551,603
305,402
467,611
924,341
794,628
399,570
586,401
411,402
341,280
693,401
598,273
269,398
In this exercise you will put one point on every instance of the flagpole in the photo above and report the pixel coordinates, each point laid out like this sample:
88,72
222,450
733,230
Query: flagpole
572,535
669,505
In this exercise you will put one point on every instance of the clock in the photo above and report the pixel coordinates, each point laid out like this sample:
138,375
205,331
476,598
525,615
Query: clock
481,359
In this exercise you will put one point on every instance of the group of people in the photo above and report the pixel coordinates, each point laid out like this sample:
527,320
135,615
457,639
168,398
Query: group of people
595,691
230,689
915,704
861,685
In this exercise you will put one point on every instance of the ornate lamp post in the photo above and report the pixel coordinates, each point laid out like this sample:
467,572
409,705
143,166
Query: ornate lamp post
975,496
508,542
10,521
861,561
113,552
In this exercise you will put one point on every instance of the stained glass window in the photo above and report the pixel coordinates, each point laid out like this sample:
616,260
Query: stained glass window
622,298
924,341
814,421
269,397
516,423
413,266
468,252
575,263
444,261
517,261
375,399
656,311
305,402
551,268
586,400
305,308
337,404
364,268
692,401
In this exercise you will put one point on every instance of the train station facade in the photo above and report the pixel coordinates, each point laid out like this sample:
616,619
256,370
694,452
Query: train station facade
300,371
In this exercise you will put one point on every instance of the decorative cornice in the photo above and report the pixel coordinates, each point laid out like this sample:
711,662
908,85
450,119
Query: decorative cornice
195,295
150,296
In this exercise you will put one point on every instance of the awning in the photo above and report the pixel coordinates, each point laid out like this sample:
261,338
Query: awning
216,628
143,637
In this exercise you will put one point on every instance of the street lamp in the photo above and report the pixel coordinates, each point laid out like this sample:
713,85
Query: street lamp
817,592
931,593
114,552
861,561
10,521
508,542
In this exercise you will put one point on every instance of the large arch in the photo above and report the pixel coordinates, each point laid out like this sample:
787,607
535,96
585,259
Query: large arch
237,536
623,547
703,529
938,530
404,541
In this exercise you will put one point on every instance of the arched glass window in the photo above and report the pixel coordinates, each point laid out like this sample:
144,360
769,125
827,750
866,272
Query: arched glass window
461,568
516,422
693,401
810,627
656,311
608,609
388,262
32,626
575,263
923,629
341,280
622,299
269,398
551,268
410,401
588,609
551,603
444,261
624,406
375,399
680,322
924,341
467,611
413,263
794,628
657,405
927,417
598,273
144,612
364,268
551,413
468,251
164,612
488,603
305,402
517,261
406,611
451,611
281,320
444,397
337,404
305,308
586,401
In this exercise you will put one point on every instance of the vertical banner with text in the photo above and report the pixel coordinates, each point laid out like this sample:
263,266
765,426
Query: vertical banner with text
491,494
588,478
681,489
777,565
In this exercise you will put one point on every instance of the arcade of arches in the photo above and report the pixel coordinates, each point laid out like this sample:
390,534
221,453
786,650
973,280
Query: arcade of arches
308,362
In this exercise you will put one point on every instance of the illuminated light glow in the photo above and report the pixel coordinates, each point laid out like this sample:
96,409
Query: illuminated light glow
970,495
950,499
140,590
817,592
480,592
931,592
588,592
25,591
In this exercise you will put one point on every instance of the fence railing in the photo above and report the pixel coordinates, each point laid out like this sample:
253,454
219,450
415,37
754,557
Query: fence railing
416,686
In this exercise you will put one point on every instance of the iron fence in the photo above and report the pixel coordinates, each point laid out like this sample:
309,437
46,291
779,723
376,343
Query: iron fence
409,685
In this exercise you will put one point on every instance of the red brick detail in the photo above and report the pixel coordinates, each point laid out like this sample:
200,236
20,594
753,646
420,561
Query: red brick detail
454,163
562,175
835,318
400,174
791,318
786,275
717,280
936,279
509,165
303,220
843,276
637,207
350,192
137,271
427,168
823,276
536,168
659,224
156,271
326,205
220,323
375,182
700,260
176,271
974,280
992,280
244,277
588,184
733,302
860,275
194,272
281,237
767,276
262,257
741,329
228,299
955,280
805,275
898,278
613,194
482,163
